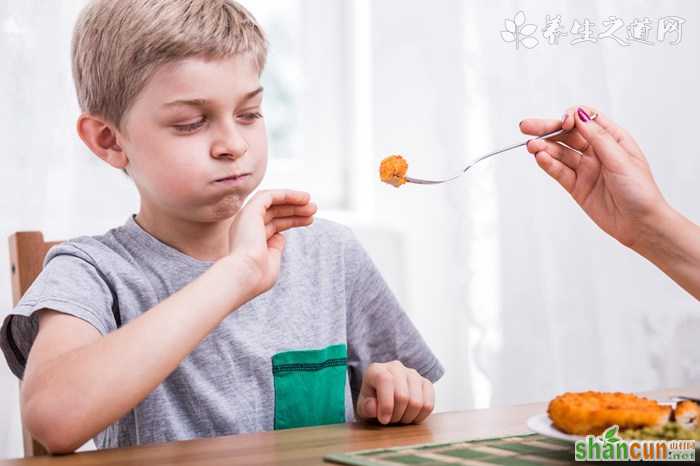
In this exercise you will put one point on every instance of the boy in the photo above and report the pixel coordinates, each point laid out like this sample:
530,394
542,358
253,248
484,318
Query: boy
197,317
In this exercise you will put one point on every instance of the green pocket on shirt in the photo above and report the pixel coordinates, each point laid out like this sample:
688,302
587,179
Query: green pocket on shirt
310,387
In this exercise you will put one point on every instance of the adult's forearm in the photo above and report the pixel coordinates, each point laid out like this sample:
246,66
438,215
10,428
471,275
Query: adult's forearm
672,242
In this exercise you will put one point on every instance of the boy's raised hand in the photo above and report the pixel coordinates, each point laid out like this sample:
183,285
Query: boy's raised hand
256,242
392,393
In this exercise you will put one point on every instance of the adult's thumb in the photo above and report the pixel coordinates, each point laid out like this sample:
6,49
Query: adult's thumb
606,148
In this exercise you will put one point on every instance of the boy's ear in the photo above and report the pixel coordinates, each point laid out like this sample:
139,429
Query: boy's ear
101,137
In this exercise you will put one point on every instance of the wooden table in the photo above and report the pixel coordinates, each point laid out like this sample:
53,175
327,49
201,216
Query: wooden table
306,447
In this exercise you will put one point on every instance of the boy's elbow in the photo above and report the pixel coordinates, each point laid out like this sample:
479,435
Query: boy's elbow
60,447
49,430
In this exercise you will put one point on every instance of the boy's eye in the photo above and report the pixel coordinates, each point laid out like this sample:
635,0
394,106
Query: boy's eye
189,127
251,116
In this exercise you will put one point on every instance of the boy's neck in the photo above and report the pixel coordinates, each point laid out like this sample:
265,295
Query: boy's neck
201,241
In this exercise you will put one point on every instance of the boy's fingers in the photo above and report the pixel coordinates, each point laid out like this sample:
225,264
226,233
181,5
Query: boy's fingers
610,153
401,393
367,407
415,397
276,211
267,199
557,170
279,225
380,381
276,243
428,401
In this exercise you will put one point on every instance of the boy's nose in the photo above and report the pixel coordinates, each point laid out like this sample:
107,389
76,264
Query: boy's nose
230,143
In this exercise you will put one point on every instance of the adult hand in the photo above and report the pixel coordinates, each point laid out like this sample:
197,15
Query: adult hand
603,169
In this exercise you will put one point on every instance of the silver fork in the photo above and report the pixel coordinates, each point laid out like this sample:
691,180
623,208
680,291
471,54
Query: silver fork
551,134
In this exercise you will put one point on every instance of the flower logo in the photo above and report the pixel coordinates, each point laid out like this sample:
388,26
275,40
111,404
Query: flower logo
517,31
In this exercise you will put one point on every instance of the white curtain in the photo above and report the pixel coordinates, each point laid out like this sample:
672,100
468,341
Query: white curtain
517,292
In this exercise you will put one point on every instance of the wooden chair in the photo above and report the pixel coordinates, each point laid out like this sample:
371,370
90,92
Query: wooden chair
27,252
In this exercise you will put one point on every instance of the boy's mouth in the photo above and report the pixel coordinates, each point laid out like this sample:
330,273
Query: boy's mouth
232,178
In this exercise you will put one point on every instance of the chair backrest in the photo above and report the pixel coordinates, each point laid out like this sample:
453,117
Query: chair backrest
27,252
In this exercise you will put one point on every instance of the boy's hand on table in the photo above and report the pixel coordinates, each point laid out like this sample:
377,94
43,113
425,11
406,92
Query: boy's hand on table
392,393
255,235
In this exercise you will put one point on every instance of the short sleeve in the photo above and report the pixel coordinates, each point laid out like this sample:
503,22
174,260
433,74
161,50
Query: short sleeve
378,330
70,283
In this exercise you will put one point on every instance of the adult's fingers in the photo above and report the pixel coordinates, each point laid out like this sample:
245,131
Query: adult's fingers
611,154
539,126
564,175
567,156
573,139
619,134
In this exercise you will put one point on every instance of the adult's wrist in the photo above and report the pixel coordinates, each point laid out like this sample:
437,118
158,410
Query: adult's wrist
666,238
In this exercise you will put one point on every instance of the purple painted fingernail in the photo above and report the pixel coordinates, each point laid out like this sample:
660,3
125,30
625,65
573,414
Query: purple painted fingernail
583,115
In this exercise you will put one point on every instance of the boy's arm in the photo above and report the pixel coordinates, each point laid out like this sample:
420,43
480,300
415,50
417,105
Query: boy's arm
392,369
75,387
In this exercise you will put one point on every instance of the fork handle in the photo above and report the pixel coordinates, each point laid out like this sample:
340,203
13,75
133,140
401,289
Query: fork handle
556,132
551,134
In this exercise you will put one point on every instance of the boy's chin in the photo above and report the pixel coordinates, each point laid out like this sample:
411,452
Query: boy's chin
226,207
216,211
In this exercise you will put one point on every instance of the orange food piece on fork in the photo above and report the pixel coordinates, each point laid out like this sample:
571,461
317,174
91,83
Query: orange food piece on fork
393,170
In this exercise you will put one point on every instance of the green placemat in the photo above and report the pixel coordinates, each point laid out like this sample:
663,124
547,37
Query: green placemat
530,449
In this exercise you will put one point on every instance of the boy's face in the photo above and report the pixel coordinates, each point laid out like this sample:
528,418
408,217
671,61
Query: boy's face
195,138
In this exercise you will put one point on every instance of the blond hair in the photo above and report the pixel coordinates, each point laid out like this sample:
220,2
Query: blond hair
119,44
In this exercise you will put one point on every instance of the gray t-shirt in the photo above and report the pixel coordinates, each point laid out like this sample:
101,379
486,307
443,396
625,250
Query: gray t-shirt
293,356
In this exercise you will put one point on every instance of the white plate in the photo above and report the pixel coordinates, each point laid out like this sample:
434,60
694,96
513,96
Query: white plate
542,425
